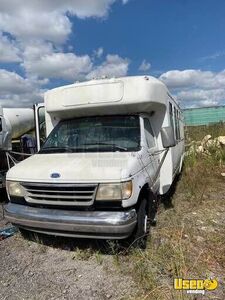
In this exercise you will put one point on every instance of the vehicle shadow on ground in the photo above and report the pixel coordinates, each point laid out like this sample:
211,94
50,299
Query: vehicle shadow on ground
106,247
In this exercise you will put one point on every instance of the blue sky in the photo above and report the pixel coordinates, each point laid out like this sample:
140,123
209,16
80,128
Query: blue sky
48,43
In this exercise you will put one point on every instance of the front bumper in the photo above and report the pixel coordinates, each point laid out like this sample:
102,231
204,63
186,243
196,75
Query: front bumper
89,224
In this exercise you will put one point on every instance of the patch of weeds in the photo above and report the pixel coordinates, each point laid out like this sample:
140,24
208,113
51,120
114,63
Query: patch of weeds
114,249
82,254
167,257
113,246
200,172
142,270
216,247
197,133
117,260
42,249
99,257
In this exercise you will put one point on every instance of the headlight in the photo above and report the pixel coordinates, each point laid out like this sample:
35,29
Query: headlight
15,189
114,191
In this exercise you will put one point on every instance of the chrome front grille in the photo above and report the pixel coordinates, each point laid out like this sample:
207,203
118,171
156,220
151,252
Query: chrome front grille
60,194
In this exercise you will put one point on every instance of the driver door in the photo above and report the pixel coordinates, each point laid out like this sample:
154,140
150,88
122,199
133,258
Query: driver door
152,160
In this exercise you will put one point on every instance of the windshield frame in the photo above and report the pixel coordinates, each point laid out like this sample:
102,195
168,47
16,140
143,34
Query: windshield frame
111,146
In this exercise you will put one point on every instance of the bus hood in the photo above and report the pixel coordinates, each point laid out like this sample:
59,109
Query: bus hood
76,167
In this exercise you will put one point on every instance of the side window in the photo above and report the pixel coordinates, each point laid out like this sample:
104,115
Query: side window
171,116
181,126
149,135
175,120
176,113
0,124
176,124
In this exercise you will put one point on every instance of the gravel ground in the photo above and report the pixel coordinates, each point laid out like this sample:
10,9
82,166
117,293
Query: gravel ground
59,269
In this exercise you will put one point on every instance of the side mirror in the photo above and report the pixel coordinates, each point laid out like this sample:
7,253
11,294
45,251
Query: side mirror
167,136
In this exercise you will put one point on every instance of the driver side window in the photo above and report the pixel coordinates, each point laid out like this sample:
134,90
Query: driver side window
149,135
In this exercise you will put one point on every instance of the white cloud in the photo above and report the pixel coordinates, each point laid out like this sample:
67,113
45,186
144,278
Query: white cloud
9,52
114,65
145,66
59,65
12,82
42,60
200,97
80,8
193,78
196,87
35,49
99,52
32,24
47,19
17,91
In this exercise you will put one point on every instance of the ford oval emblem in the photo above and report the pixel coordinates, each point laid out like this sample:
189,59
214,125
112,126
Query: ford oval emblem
55,175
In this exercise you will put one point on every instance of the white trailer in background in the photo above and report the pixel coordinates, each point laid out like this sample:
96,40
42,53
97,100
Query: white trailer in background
14,122
113,146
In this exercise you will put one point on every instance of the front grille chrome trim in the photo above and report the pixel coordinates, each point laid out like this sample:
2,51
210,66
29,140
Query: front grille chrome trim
60,194
38,184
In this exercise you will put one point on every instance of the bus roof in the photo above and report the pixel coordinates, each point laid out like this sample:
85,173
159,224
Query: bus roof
131,94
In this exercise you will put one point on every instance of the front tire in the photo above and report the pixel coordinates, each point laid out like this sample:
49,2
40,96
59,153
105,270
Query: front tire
141,232
146,217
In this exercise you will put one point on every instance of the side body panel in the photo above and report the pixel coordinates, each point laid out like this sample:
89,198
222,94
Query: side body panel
174,158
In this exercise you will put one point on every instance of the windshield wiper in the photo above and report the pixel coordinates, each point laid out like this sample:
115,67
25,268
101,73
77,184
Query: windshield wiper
55,149
107,144
80,148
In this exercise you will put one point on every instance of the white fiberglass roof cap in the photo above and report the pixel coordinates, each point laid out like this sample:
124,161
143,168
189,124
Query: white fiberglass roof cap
115,95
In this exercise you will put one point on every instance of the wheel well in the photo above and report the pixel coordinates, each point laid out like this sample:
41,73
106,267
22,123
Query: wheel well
145,192
152,202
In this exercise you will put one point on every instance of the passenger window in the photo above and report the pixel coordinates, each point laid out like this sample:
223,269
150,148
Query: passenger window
177,125
171,116
149,135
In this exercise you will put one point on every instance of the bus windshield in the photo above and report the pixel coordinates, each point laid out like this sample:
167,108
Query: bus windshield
95,134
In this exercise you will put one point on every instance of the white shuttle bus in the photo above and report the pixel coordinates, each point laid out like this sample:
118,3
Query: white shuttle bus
113,146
